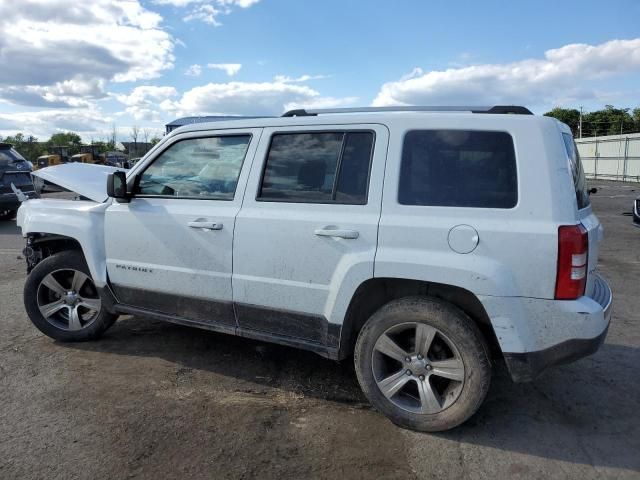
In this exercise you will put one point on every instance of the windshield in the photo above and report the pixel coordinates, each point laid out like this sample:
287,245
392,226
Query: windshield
10,157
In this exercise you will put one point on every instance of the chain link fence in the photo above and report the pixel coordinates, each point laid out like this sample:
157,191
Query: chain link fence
614,157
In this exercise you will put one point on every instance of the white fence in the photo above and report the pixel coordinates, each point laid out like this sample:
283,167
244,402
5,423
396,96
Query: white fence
614,157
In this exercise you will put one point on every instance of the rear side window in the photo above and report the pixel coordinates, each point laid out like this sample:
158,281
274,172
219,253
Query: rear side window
458,168
577,172
318,167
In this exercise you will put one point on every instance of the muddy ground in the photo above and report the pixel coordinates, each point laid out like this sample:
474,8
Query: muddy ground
155,400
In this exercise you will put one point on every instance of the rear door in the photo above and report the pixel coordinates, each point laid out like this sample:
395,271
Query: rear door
169,249
307,233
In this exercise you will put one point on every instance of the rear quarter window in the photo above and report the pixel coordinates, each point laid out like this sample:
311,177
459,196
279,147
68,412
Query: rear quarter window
577,172
458,168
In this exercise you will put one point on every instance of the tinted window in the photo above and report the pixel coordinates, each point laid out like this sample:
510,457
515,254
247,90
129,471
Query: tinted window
458,168
9,156
197,168
327,167
575,165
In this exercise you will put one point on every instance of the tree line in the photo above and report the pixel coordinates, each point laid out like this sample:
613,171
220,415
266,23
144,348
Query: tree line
31,147
608,121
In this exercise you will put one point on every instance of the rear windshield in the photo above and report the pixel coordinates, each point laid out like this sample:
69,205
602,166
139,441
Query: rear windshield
575,166
458,168
8,157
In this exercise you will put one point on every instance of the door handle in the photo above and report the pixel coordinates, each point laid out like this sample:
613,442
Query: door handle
331,232
205,225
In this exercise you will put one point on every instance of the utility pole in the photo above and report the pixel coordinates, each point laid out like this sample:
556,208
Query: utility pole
580,125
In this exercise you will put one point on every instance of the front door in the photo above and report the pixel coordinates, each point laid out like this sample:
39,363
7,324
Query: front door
169,249
307,232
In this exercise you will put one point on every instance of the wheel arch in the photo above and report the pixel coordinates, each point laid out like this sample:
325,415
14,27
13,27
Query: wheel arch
372,294
42,245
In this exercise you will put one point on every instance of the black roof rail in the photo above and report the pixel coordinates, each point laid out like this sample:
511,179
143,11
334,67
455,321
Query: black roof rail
5,145
514,109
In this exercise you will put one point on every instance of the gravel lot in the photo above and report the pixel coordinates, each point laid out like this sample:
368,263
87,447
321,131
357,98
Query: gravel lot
155,400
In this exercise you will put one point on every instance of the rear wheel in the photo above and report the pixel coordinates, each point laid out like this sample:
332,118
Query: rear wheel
62,301
423,363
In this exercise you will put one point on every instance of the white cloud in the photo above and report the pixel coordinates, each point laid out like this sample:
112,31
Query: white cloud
225,3
323,102
240,3
207,11
245,98
88,122
177,3
532,81
193,71
62,52
142,103
300,79
229,68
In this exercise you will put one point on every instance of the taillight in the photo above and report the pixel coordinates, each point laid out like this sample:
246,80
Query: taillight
573,252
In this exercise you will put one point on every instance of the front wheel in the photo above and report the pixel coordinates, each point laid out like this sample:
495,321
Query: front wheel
423,363
62,301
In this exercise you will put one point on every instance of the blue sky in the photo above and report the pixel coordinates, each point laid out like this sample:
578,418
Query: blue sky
131,62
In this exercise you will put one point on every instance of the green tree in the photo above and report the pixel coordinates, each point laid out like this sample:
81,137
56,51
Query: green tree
608,121
570,116
66,139
636,119
154,140
27,146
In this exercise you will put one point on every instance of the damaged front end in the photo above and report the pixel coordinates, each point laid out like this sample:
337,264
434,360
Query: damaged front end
89,181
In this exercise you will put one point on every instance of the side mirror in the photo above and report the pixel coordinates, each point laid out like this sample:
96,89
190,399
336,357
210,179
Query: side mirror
593,190
117,187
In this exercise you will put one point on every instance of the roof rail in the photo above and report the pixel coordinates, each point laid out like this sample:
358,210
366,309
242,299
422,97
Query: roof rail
514,109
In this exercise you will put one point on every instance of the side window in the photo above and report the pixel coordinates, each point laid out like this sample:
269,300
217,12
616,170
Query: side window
577,172
322,167
203,168
458,168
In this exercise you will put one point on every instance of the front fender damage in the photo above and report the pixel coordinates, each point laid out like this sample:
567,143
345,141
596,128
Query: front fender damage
71,221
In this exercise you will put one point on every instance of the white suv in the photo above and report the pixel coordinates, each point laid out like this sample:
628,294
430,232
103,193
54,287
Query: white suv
423,241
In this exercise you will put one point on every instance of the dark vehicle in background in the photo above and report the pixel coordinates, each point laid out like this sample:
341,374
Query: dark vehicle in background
636,212
16,171
116,159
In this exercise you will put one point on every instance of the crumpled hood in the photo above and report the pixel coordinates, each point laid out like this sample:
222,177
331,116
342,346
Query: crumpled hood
85,179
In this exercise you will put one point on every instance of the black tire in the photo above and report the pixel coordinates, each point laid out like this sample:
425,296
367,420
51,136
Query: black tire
74,260
7,215
452,324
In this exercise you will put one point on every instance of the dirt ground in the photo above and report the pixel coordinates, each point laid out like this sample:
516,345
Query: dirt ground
155,400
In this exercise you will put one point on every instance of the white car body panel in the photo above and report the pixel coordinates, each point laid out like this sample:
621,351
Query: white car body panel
162,254
80,220
86,179
280,263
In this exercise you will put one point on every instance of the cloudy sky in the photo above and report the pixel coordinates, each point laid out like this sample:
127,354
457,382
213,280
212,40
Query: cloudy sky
85,65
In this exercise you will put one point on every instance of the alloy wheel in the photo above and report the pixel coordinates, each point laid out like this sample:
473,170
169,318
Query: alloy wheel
418,368
68,299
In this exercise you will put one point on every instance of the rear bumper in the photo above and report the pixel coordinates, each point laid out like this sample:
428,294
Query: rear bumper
526,366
